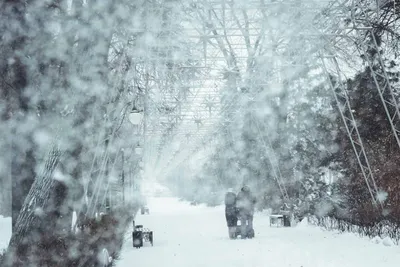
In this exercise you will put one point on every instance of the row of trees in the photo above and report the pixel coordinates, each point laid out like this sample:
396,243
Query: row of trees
283,133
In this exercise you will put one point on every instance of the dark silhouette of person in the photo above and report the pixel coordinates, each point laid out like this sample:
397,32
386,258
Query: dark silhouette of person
245,203
231,213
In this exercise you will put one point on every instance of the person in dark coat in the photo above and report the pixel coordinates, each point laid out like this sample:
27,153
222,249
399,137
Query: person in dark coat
231,213
245,203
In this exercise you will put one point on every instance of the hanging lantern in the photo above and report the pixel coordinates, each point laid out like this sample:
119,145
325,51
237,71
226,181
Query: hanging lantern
135,117
138,150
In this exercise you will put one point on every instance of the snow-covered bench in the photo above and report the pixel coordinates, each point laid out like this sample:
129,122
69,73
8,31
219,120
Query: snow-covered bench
276,220
282,218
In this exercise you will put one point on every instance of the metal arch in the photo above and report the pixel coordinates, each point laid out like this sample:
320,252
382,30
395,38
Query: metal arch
345,111
340,93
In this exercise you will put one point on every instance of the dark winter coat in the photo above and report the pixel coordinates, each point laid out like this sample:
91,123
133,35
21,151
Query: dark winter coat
245,203
230,209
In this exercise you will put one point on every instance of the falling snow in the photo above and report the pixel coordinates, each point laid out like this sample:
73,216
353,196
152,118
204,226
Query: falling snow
150,111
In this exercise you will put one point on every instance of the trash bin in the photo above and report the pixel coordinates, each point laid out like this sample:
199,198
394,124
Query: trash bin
137,235
137,239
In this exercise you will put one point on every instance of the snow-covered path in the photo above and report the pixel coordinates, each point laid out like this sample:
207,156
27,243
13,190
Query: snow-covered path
186,236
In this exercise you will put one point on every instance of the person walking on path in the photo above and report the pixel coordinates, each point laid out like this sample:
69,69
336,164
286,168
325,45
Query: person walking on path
245,203
231,213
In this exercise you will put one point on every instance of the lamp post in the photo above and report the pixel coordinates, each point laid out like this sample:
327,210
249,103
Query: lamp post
123,176
136,117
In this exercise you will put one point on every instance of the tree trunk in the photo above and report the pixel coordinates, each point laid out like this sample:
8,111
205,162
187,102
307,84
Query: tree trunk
22,175
33,221
12,89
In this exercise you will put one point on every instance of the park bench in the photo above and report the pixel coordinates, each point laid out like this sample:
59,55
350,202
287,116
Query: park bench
281,218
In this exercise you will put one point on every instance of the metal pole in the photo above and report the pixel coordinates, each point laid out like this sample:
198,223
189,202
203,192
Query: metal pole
130,182
123,177
145,104
345,110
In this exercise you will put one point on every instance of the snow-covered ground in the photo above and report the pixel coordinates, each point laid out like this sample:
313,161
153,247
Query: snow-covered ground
185,236
5,231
